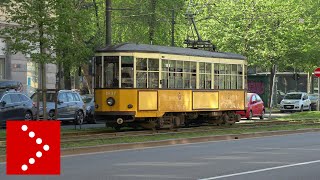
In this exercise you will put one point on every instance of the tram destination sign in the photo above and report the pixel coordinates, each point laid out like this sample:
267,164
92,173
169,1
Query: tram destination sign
317,72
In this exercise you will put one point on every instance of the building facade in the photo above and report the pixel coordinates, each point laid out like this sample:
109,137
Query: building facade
21,68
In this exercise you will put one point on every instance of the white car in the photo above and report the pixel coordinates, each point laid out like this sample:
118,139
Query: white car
295,101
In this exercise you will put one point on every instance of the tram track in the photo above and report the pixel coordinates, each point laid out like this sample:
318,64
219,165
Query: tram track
68,138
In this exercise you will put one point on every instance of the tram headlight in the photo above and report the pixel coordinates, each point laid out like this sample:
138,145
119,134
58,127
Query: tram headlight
110,101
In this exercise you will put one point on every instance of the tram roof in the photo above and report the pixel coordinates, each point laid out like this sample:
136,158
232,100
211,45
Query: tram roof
131,47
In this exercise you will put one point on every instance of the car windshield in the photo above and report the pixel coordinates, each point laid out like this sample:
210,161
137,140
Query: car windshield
293,96
248,96
50,97
86,99
313,97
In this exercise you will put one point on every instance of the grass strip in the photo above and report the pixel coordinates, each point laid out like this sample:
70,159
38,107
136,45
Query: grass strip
158,137
309,115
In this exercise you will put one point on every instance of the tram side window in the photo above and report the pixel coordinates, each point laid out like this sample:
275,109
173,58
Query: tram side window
240,76
228,76
234,76
164,75
142,72
98,72
147,73
111,71
127,72
216,76
221,76
193,66
153,73
245,77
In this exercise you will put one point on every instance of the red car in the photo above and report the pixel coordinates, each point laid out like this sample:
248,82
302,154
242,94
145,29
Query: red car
255,107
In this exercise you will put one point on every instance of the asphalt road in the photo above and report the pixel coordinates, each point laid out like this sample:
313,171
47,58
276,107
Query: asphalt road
279,157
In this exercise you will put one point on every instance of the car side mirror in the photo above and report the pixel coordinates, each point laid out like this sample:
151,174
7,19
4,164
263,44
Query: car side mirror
60,102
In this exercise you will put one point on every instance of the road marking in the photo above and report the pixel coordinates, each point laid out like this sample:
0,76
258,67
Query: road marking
231,157
166,164
152,176
266,162
260,170
261,152
303,149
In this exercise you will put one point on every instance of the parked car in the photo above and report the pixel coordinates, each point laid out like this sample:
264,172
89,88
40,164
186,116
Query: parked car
314,101
255,107
15,106
88,99
295,101
70,106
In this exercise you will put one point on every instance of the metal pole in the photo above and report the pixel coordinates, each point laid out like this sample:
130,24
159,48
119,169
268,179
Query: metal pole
272,89
108,22
318,104
172,28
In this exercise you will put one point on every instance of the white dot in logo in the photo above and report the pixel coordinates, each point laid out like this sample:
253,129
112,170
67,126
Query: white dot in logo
32,160
39,154
31,134
24,127
46,147
39,141
24,167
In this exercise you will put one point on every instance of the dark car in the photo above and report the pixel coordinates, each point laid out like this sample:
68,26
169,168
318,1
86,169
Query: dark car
255,107
70,106
15,106
314,101
88,99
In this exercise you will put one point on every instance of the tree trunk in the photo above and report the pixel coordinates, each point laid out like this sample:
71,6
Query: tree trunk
67,78
87,77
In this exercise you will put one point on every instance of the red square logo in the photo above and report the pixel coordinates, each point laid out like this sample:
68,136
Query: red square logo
33,147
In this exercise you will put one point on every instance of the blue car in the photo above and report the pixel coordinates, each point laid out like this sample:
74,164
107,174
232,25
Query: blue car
70,106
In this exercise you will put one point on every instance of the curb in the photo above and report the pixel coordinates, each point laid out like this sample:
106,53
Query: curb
141,145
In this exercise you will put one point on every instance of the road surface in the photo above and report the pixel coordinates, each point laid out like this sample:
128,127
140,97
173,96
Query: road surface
279,157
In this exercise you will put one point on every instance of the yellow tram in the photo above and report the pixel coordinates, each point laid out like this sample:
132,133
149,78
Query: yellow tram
166,87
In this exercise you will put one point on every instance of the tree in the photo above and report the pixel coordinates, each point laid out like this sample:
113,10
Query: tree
34,33
76,36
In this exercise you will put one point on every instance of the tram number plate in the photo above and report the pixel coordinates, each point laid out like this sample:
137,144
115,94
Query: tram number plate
110,93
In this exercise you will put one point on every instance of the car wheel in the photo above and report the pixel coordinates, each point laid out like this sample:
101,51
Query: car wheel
262,115
51,115
28,116
250,115
281,111
79,117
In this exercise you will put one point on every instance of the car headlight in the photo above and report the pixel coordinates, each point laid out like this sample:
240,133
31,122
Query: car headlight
297,102
110,101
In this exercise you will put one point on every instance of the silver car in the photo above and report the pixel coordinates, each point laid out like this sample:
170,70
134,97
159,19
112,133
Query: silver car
295,101
70,106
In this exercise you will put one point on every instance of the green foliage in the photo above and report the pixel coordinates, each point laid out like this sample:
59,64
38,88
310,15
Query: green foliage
75,36
32,30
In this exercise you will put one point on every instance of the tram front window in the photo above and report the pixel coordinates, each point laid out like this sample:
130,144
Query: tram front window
111,71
